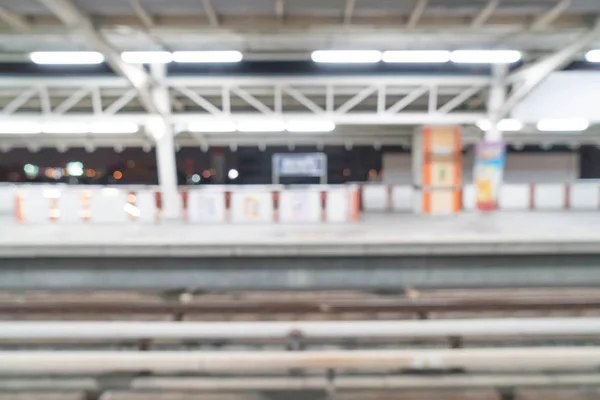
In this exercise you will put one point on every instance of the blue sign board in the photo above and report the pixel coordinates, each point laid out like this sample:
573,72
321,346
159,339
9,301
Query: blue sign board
300,165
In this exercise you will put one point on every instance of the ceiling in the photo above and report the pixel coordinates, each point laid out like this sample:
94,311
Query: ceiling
292,28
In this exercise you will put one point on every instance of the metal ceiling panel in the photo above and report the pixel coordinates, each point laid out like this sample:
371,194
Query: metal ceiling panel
23,6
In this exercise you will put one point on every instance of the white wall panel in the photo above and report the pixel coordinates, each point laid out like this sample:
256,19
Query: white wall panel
403,198
469,197
145,201
585,196
35,206
337,207
549,197
375,197
7,201
108,206
514,197
69,206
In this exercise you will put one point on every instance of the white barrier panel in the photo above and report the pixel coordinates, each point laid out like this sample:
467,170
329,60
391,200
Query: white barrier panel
337,205
247,206
469,197
514,197
69,206
375,197
35,204
403,198
145,201
584,196
205,205
549,196
7,201
300,206
108,206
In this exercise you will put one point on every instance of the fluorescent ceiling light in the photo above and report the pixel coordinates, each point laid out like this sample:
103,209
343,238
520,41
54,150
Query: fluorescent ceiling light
147,57
346,56
20,128
593,56
418,56
230,56
261,126
505,125
65,127
563,125
114,127
66,57
485,56
212,126
310,126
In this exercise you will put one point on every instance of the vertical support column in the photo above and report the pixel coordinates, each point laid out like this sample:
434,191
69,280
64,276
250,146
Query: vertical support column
496,100
437,169
162,131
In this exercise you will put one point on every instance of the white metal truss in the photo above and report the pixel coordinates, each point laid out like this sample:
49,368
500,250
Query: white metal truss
348,100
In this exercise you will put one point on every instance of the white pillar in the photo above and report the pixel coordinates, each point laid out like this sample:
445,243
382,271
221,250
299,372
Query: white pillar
162,131
496,100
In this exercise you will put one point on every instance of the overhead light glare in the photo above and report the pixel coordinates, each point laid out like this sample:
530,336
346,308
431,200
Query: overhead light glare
114,127
562,125
147,57
20,128
66,57
593,56
504,125
228,56
310,126
212,126
485,56
65,127
261,126
346,56
417,56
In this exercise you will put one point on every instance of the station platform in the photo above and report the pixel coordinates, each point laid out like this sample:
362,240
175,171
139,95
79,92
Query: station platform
374,235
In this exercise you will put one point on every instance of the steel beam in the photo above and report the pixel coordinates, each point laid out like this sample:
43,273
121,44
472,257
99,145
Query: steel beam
213,18
417,13
80,23
533,75
485,14
349,11
547,18
15,21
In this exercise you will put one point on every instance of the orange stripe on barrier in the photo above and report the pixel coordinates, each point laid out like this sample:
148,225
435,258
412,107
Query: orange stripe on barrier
276,206
355,205
426,170
457,170
323,203
567,196
19,208
532,196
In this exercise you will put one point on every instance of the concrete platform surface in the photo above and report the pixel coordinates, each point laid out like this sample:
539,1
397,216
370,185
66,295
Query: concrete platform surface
374,235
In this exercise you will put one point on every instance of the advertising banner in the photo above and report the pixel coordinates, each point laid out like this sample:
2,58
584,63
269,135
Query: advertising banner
206,206
300,206
252,206
488,172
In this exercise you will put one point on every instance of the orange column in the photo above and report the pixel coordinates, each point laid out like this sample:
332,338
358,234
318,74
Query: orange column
442,170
